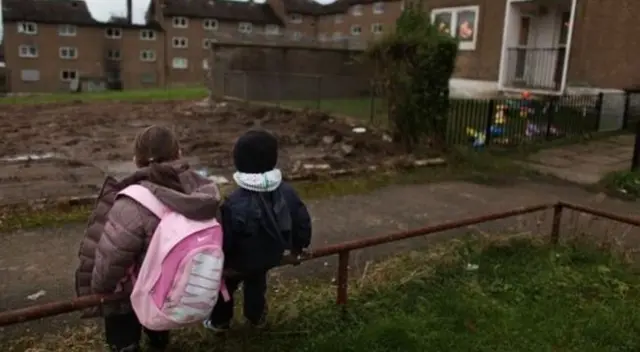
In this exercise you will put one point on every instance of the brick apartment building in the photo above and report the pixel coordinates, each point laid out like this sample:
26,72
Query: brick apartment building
54,45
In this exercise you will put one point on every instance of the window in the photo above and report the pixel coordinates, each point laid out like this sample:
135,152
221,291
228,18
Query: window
378,8
295,18
210,24
30,75
296,36
376,28
114,55
207,43
30,51
180,63
459,22
147,34
338,19
272,29
244,27
68,75
337,36
148,78
113,33
180,42
68,53
67,30
147,55
29,28
180,22
356,29
205,64
356,10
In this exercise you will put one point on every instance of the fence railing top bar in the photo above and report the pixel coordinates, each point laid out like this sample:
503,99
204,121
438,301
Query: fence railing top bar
61,307
615,217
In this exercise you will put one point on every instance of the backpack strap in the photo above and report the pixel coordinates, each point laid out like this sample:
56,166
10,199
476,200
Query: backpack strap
146,198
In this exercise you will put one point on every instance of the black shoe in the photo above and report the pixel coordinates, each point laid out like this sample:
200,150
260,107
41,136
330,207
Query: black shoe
217,328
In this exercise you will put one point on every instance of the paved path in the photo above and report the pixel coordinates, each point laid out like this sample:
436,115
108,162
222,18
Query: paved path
585,163
45,259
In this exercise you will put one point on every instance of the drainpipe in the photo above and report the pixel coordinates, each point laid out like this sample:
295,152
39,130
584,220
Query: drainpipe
130,12
567,54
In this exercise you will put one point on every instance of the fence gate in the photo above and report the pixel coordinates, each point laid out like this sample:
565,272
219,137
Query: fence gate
632,107
612,112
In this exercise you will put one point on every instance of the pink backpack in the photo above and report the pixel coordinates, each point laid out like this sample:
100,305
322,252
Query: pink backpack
181,275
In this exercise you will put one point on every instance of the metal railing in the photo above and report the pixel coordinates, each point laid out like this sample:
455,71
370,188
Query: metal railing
343,250
535,68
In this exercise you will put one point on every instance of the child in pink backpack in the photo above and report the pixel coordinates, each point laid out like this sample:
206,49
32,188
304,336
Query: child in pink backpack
120,229
261,220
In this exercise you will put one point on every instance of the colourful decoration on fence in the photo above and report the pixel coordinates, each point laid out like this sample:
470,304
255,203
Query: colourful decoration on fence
506,119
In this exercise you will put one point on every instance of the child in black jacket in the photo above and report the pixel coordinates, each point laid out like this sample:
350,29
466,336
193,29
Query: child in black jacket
261,220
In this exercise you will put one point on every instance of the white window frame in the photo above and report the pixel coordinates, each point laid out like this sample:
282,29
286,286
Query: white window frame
355,33
378,8
356,10
28,28
210,24
180,67
179,42
180,22
295,18
454,11
377,25
24,51
206,43
245,27
148,55
111,55
67,30
205,64
22,74
116,33
66,50
272,29
148,34
338,19
68,71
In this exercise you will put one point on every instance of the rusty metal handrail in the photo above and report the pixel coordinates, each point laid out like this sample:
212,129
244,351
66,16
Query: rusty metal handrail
342,250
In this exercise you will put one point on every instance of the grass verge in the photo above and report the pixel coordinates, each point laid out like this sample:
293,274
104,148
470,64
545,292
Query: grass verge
622,184
484,295
125,95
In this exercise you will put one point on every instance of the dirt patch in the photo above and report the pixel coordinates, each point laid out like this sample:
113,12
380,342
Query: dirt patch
65,149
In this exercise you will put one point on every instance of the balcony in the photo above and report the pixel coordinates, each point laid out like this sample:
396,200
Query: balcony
535,68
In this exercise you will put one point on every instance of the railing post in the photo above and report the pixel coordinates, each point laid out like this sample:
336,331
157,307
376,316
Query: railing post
599,103
343,279
318,102
491,113
635,160
555,226
625,113
550,113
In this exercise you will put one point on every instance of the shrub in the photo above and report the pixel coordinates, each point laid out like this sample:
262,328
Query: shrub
413,67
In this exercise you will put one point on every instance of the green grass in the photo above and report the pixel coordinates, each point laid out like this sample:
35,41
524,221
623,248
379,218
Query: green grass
125,95
493,296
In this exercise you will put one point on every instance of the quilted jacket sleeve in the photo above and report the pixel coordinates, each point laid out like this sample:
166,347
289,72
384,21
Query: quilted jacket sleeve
122,243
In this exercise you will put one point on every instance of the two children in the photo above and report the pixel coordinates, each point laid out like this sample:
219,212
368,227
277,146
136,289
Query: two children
261,220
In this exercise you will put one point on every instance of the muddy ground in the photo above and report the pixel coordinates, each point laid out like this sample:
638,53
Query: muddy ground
54,150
